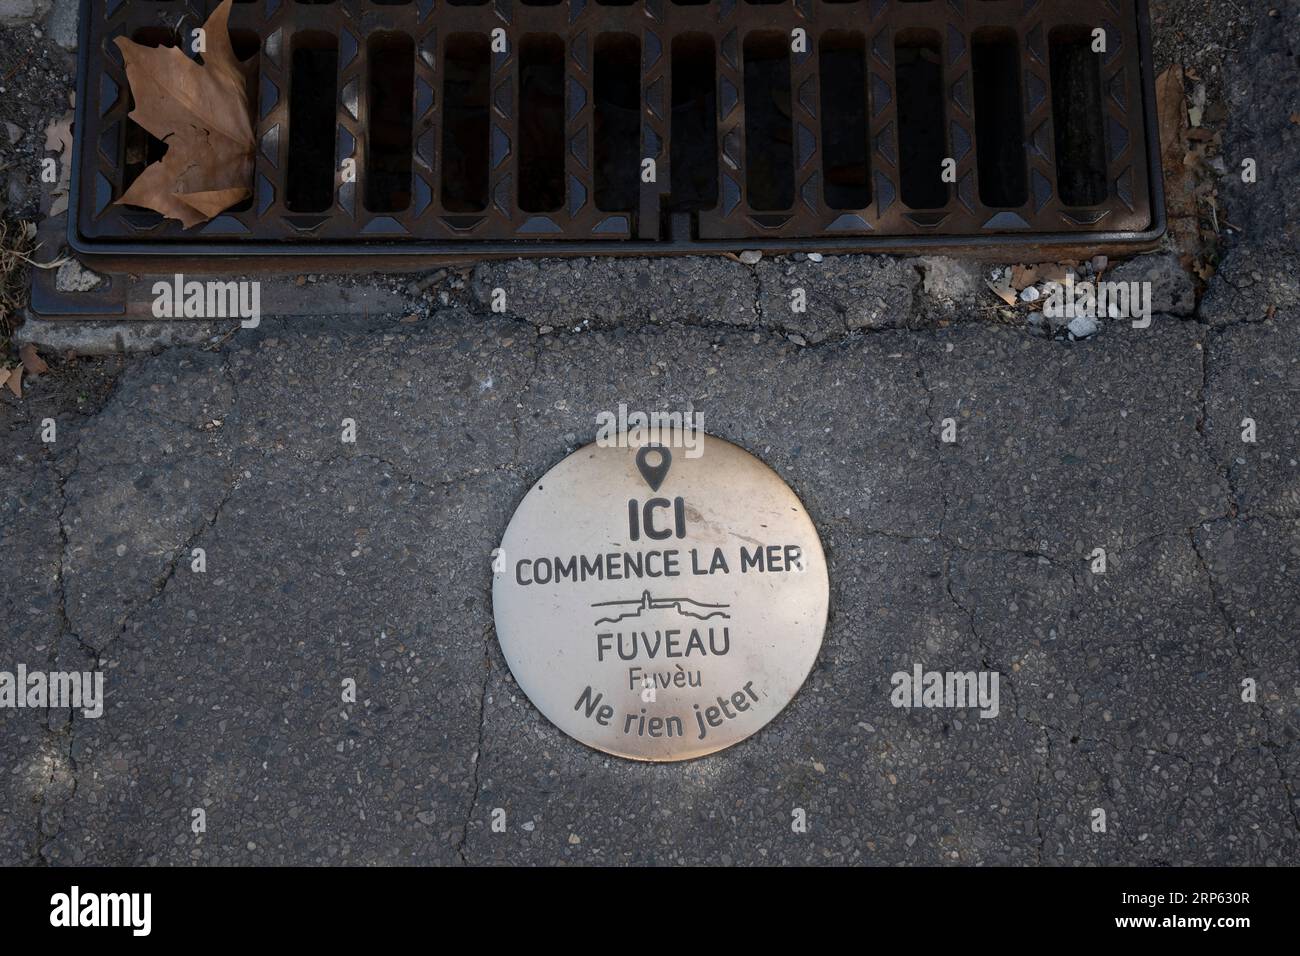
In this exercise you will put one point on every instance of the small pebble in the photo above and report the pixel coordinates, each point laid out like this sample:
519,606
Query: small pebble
1082,327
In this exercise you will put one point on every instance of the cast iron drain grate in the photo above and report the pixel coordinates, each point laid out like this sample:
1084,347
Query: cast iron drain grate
499,126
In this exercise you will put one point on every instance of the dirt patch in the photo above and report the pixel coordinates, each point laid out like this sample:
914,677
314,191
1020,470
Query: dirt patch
1202,36
16,240
74,388
36,80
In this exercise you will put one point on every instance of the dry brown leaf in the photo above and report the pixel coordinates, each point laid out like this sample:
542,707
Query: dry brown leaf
1171,104
58,135
1171,108
58,139
1023,276
1054,272
12,377
201,111
1002,289
32,361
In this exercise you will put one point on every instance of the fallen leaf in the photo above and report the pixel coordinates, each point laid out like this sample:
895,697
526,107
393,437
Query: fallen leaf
13,377
1003,290
58,139
34,364
58,135
1054,272
1023,276
201,111
1171,104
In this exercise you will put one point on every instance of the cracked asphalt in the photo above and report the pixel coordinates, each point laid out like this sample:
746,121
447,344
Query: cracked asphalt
371,561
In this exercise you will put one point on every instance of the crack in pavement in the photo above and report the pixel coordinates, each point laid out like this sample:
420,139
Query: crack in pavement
950,549
516,421
433,487
461,843
1133,840
1291,804
1224,468
777,330
489,634
1038,793
46,814
1260,714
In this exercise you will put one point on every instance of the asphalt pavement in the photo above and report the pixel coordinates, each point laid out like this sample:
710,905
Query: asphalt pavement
371,561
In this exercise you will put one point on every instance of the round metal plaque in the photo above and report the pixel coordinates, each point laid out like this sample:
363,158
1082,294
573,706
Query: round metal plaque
657,603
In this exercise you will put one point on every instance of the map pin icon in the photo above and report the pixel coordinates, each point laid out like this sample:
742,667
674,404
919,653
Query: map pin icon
653,462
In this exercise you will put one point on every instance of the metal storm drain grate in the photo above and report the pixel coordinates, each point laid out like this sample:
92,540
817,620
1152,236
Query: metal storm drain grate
643,125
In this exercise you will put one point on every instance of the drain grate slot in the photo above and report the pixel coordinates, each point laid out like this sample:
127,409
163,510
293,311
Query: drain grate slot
918,68
465,126
1076,106
999,128
769,134
845,164
389,109
541,130
617,123
310,180
631,125
694,127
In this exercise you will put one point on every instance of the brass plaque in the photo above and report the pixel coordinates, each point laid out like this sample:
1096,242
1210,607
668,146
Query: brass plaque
660,604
